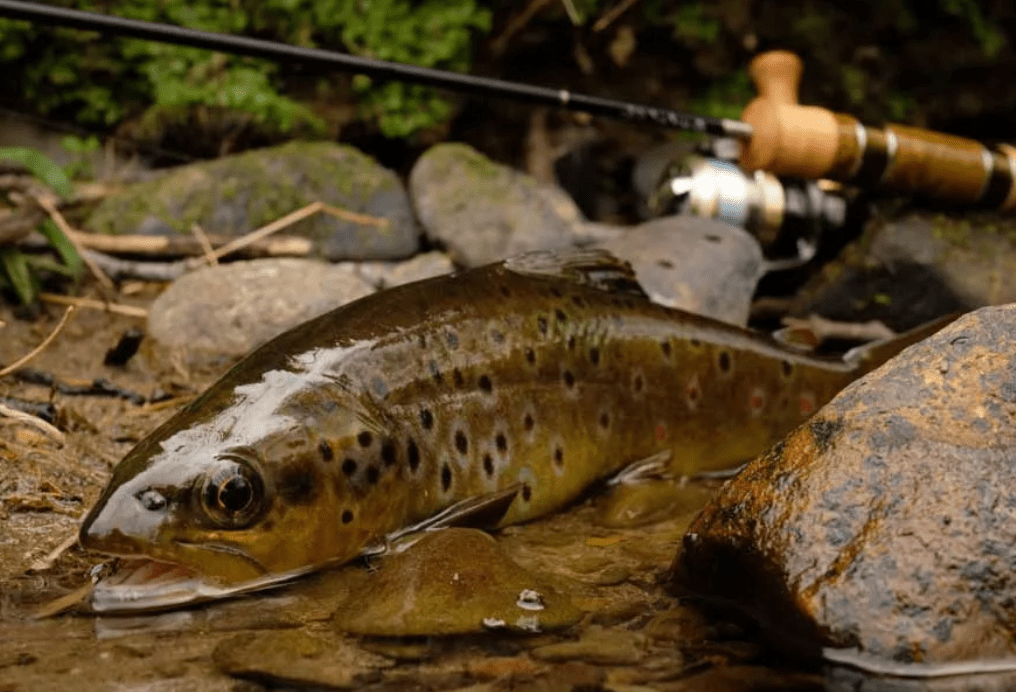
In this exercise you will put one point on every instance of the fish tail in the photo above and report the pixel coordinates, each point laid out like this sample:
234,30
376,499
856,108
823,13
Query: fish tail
870,356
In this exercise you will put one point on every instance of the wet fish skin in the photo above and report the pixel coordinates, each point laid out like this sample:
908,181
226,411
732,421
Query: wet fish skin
388,409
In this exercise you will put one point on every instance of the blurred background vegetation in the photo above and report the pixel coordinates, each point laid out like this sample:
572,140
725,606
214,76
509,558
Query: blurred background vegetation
944,62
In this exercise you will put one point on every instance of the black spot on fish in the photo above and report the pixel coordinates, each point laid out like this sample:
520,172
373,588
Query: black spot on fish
446,477
485,383
638,384
348,467
527,422
365,438
527,493
560,314
505,292
373,474
453,339
787,368
559,456
461,443
723,360
388,453
497,336
556,292
422,340
488,465
695,343
541,324
297,484
665,347
571,343
666,264
594,356
578,301
569,379
604,420
347,516
325,450
457,377
530,356
435,372
426,419
502,443
413,454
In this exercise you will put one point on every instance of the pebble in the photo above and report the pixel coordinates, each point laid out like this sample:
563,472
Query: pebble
481,211
229,309
886,525
423,266
237,194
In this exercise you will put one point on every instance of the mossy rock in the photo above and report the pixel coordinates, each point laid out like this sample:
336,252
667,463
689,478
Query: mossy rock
238,194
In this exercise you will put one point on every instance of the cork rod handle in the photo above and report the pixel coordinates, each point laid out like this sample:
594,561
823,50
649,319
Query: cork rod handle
811,142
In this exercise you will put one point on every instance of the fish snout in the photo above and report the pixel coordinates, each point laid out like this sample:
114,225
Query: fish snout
126,514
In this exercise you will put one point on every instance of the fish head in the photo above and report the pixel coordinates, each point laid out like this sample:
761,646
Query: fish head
201,517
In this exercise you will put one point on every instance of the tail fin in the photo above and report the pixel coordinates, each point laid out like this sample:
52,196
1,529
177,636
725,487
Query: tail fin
869,356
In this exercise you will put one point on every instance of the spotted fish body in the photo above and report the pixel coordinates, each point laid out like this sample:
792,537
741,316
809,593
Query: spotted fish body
545,372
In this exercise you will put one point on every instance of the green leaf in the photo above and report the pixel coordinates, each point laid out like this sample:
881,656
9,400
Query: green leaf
41,166
63,246
17,271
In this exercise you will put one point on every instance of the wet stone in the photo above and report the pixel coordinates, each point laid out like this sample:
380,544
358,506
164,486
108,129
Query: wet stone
389,274
596,645
482,211
229,309
298,657
695,264
454,581
887,523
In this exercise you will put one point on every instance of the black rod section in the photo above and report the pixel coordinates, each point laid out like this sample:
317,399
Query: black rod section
379,69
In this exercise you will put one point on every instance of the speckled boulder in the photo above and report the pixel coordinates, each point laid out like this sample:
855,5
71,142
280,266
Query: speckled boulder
238,194
482,212
887,523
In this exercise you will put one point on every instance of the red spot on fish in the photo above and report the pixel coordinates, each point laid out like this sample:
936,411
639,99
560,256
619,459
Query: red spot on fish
757,400
807,404
661,432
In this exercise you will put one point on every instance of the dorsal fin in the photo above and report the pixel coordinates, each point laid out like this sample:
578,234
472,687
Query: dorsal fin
590,266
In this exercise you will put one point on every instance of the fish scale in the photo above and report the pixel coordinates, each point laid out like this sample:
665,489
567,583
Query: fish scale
545,373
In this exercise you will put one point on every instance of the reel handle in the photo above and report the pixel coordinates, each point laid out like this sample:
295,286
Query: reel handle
811,142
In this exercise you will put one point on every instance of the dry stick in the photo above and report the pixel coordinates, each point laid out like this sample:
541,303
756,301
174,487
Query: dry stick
146,271
613,13
825,329
206,245
28,418
159,245
46,562
573,14
61,222
516,25
38,349
119,309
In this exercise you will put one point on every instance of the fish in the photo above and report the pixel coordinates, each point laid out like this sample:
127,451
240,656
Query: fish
523,381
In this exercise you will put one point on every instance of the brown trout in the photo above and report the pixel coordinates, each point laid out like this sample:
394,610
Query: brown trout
542,373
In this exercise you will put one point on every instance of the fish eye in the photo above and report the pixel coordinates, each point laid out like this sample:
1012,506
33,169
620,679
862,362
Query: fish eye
233,494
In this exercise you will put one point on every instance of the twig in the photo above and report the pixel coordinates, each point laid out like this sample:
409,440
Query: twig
206,246
273,227
362,219
146,271
46,562
573,14
162,245
129,310
608,17
61,222
38,349
516,25
44,427
825,329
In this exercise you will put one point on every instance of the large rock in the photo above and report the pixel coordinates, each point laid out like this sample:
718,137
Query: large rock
238,194
482,211
887,523
229,309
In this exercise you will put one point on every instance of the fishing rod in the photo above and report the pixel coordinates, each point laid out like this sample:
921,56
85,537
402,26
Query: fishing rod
779,135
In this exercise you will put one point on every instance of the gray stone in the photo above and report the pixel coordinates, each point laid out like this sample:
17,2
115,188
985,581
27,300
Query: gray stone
482,212
887,522
238,194
695,264
229,309
423,266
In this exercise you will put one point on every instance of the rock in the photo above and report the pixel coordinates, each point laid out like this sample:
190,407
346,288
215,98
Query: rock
482,212
695,264
388,274
454,581
913,269
238,194
887,523
597,645
229,309
298,658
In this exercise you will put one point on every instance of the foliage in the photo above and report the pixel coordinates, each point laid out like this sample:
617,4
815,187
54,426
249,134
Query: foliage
20,271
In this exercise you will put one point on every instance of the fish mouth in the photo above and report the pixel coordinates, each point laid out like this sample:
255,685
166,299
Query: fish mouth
144,584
